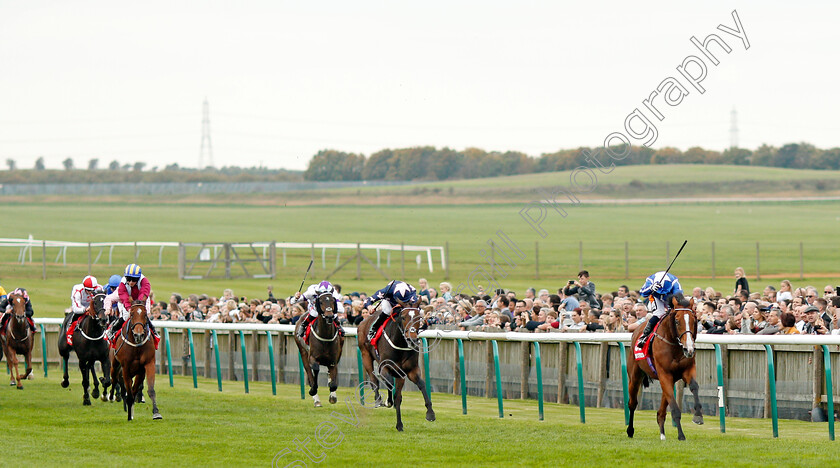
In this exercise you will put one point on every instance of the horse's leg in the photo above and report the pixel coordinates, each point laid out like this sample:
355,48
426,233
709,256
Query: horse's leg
367,363
689,379
666,380
105,363
28,362
128,395
313,383
85,382
333,373
65,357
14,363
150,376
398,385
636,377
414,376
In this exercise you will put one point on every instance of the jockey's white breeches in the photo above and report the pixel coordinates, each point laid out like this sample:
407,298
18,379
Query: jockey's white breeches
656,307
124,312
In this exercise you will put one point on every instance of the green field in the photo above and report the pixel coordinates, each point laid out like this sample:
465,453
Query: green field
603,230
45,425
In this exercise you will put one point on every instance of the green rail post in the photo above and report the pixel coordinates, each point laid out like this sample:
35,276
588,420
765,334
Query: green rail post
624,389
539,378
218,361
302,378
244,358
829,392
498,379
168,357
721,405
44,347
271,362
580,382
771,377
192,358
462,367
426,367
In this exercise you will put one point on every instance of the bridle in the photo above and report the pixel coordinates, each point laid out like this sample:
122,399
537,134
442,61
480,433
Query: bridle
676,329
398,321
91,313
19,319
131,325
328,319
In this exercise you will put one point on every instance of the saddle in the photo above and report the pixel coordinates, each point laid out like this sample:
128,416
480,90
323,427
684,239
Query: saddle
643,352
375,341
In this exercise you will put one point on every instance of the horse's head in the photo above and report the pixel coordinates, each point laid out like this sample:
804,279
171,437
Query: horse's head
685,322
18,303
138,320
410,320
96,309
325,304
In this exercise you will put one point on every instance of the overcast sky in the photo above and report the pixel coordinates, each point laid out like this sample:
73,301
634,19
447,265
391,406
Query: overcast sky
126,81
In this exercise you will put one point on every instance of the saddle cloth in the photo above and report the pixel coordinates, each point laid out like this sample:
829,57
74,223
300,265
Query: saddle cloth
375,341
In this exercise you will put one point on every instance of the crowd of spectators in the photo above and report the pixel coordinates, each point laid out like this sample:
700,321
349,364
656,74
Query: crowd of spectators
575,307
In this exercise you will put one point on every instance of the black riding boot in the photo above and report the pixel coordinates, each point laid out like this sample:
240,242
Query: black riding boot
648,329
302,332
374,327
115,325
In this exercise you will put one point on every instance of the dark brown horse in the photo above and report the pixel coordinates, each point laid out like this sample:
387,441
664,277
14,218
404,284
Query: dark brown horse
135,353
398,357
324,349
672,351
90,346
18,340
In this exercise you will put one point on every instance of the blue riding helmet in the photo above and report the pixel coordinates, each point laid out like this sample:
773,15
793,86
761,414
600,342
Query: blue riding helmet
114,281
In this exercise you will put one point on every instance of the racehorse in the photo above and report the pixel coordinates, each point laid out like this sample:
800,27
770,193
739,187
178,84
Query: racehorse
398,357
135,353
672,351
325,347
90,346
18,340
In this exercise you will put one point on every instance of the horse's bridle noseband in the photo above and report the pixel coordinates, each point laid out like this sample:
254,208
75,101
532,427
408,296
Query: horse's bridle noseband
679,337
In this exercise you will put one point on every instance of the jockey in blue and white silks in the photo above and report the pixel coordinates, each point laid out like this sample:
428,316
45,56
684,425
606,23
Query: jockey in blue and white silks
311,296
657,292
395,295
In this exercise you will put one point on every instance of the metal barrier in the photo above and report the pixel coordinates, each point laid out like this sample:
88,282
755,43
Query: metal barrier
786,343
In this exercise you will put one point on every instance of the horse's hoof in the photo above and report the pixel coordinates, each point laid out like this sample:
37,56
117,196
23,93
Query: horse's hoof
318,404
95,393
65,384
333,400
20,387
12,383
681,437
630,432
661,436
400,427
430,416
698,419
141,400
104,397
157,416
86,402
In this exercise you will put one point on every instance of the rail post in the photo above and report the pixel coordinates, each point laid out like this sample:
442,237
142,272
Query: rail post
771,378
244,359
498,379
361,369
44,347
426,367
624,389
271,362
462,367
538,359
218,360
721,404
580,381
192,358
829,392
168,357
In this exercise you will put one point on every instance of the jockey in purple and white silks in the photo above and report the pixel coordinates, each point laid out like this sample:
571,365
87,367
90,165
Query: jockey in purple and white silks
657,292
311,296
396,294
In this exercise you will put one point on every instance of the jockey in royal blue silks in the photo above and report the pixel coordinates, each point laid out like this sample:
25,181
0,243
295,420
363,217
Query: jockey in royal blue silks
657,291
395,295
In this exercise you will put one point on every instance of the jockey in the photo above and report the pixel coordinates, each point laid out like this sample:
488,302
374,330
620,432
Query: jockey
133,287
658,289
396,294
112,297
4,306
310,296
80,298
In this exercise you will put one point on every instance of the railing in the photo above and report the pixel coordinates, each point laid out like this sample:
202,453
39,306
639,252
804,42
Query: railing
733,356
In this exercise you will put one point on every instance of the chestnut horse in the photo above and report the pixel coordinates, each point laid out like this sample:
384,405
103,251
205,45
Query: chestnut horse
135,353
672,350
399,353
324,349
18,340
90,346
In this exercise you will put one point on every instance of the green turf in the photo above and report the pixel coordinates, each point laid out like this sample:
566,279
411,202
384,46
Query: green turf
45,425
603,230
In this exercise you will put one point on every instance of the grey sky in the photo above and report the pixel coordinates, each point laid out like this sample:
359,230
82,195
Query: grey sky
117,80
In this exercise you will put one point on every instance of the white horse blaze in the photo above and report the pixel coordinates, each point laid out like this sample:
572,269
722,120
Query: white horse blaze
688,335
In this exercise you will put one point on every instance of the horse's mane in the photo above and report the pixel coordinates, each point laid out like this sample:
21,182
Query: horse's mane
681,300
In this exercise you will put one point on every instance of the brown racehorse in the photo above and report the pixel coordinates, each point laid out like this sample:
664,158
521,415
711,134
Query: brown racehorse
325,346
135,353
672,350
18,340
90,346
399,353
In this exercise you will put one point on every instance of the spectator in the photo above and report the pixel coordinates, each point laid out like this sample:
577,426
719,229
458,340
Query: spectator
774,322
623,292
788,325
770,294
828,292
569,303
530,293
697,294
741,283
503,303
593,318
213,315
641,317
813,323
784,291
584,288
752,319
578,325
445,290
810,295
477,317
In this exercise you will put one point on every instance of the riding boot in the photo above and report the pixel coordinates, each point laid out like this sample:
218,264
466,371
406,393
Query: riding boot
306,319
152,328
648,329
3,321
31,324
115,325
374,327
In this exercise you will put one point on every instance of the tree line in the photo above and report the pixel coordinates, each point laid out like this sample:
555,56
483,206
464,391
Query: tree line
430,163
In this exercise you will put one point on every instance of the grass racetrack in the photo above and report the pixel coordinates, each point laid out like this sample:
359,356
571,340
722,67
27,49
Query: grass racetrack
45,425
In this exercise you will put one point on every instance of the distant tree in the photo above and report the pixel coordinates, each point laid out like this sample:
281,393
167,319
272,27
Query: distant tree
68,164
114,165
172,167
666,155
154,169
335,165
92,164
39,164
377,165
11,163
765,155
827,159
126,167
736,156
138,166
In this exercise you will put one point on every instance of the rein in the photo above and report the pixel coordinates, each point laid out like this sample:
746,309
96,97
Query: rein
657,335
82,331
12,333
319,338
388,339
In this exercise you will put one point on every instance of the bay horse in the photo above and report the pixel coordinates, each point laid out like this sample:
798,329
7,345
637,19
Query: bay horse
324,349
90,346
399,353
135,353
672,351
18,340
